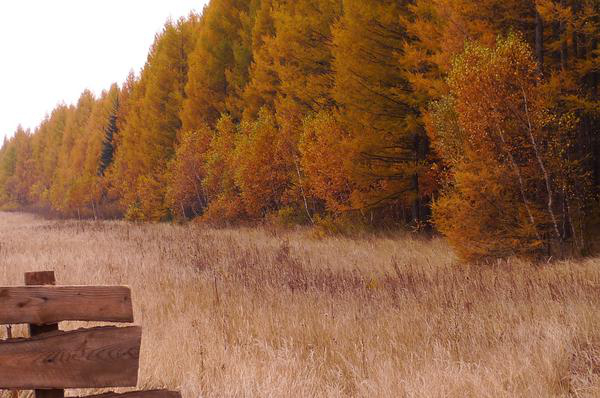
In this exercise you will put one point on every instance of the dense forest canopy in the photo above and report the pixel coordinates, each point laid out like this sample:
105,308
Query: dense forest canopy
479,118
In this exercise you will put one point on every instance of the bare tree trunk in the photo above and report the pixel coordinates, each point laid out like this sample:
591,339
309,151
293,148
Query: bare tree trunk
198,196
417,201
183,211
595,150
303,193
517,171
542,167
94,210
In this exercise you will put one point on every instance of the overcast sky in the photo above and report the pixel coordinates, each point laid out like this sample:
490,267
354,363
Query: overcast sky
51,50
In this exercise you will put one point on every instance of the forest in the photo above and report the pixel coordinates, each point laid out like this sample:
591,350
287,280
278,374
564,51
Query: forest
474,119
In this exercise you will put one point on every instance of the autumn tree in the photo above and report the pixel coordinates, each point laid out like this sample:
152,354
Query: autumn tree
16,170
224,196
291,77
262,166
71,156
327,157
218,65
185,194
8,158
46,144
149,137
510,184
260,91
315,110
567,45
562,35
375,99
95,197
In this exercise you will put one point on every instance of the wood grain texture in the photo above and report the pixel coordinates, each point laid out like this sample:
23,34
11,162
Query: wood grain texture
85,358
42,305
140,394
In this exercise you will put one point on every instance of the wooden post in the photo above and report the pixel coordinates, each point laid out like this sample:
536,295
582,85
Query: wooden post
39,279
13,393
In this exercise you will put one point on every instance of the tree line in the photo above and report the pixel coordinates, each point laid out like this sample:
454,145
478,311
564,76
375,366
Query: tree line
478,119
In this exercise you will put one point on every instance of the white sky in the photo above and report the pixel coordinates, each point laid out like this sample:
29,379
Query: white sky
51,50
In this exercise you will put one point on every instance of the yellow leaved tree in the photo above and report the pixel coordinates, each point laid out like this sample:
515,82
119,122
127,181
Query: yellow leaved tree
510,185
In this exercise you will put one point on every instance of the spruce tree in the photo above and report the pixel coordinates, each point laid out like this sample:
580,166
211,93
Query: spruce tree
108,148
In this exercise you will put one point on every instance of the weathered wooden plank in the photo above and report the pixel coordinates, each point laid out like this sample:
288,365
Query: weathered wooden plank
85,358
140,394
51,304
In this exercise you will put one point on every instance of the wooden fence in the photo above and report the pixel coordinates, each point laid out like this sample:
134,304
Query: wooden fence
50,360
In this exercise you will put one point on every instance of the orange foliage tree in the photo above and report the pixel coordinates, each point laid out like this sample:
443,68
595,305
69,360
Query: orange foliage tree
510,184
327,158
185,193
225,203
375,100
149,135
263,166
318,110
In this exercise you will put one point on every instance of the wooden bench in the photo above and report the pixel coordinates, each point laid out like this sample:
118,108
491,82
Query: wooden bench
50,360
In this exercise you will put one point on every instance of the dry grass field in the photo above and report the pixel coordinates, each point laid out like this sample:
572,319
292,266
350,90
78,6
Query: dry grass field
266,313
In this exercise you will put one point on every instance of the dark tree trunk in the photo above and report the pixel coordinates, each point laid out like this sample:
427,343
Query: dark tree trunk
539,41
416,208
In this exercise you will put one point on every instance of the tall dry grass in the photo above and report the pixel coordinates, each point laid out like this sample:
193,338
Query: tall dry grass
259,313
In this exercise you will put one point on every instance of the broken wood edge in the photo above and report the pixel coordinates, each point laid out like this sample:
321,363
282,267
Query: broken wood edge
60,333
138,394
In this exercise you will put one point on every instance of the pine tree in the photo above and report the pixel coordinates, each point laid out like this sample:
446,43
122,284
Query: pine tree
108,147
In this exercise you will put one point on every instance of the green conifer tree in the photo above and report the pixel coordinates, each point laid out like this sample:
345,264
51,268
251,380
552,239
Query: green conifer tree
108,147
